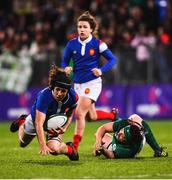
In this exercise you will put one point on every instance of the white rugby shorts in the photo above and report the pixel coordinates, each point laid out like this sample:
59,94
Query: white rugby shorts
90,89
29,127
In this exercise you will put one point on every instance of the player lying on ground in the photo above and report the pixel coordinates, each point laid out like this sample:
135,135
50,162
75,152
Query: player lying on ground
58,98
128,139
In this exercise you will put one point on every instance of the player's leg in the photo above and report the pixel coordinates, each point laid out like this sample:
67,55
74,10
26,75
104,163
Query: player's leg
24,139
81,111
26,132
17,123
106,149
59,147
99,115
136,118
24,126
150,139
91,114
88,92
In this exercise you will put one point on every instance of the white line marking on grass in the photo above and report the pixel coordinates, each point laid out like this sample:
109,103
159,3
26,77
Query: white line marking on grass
140,176
146,175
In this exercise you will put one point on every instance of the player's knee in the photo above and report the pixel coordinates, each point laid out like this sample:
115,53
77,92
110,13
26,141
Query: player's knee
93,118
135,117
89,118
54,146
79,115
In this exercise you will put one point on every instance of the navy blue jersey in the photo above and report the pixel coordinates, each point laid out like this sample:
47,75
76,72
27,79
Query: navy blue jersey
86,56
46,103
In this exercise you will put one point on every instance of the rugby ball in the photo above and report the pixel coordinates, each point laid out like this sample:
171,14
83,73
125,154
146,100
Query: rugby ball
56,121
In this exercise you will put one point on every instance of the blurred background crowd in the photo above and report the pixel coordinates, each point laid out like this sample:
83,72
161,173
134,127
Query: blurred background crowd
33,34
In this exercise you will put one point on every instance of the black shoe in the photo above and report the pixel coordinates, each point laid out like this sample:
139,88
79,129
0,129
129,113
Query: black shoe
161,153
74,156
15,124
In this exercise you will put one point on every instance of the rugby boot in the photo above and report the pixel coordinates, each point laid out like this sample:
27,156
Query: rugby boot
74,156
16,124
161,153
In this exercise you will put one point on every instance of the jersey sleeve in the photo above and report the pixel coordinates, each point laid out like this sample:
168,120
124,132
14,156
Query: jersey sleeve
108,55
66,56
119,124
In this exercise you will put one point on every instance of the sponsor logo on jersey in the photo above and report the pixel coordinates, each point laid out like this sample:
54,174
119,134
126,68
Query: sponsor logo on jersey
87,91
91,52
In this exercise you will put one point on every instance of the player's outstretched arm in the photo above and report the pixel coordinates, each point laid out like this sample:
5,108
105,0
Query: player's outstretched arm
39,121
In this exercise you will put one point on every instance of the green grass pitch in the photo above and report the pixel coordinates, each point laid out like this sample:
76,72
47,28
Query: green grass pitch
26,163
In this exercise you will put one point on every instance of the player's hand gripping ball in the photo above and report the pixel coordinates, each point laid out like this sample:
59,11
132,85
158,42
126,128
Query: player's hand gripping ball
56,121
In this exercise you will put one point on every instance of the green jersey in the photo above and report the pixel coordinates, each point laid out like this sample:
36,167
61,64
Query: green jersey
122,150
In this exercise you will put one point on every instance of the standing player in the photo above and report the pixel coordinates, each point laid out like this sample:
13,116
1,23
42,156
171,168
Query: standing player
85,51
58,98
128,139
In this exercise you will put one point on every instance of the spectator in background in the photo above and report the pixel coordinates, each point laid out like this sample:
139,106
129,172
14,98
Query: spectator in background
162,63
142,42
56,18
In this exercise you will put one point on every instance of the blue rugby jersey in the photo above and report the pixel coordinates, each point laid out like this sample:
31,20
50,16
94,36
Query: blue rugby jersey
46,103
86,56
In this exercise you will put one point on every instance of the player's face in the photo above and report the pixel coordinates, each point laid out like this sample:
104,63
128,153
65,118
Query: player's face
84,29
59,93
121,136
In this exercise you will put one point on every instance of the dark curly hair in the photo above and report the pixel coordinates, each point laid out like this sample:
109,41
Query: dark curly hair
58,78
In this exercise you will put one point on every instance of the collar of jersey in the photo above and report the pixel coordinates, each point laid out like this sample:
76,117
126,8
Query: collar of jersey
86,40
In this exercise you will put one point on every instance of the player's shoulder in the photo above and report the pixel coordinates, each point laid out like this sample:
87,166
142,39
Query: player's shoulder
46,90
100,43
73,41
102,46
45,93
95,40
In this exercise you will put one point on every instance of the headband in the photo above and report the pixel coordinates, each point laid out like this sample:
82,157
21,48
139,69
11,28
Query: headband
62,85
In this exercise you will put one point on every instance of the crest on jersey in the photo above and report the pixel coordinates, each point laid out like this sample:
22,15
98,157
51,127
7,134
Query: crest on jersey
91,52
87,91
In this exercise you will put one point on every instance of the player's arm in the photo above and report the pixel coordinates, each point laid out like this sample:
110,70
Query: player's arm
68,123
108,55
39,121
111,60
106,128
61,130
